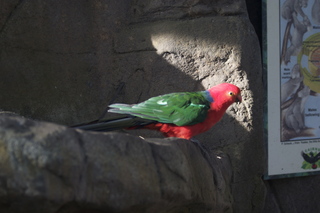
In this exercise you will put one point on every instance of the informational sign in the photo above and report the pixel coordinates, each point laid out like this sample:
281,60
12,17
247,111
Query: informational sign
292,66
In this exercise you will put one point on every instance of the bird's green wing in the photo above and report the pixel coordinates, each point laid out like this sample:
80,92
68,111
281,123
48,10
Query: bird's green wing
178,108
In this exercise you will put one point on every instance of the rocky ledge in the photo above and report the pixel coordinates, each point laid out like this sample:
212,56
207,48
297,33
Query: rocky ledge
45,167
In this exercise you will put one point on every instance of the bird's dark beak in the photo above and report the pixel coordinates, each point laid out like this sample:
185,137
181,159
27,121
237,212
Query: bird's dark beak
238,99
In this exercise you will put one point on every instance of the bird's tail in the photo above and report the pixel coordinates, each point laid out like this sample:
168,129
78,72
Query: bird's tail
117,123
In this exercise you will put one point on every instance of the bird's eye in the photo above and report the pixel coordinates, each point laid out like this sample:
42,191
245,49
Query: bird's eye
231,93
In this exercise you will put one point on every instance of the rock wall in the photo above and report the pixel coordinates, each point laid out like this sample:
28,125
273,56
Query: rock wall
65,61
298,194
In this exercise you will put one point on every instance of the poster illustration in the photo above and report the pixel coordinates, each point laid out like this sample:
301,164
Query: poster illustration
292,65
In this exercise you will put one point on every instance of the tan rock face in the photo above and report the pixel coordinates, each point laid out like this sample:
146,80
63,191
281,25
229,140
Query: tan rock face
65,61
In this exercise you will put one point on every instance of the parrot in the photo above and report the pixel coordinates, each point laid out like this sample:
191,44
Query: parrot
180,115
311,158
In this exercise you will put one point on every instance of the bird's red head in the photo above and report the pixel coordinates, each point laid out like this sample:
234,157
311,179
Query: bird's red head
225,94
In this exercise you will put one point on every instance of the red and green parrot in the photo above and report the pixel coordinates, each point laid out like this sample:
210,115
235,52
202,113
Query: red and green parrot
181,115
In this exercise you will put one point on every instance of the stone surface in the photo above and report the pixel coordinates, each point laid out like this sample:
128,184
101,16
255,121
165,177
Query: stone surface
293,195
45,167
65,61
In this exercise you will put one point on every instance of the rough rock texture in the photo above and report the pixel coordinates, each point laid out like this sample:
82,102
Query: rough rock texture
45,167
293,195
65,61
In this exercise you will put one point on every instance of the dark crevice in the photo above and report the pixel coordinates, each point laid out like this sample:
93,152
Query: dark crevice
277,198
11,14
156,163
83,170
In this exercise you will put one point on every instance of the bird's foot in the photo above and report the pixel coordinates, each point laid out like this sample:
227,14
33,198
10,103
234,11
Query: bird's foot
195,141
202,148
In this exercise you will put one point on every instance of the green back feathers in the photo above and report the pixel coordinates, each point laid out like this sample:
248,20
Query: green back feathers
178,108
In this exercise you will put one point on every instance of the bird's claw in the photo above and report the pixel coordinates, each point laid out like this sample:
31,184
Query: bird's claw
195,141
